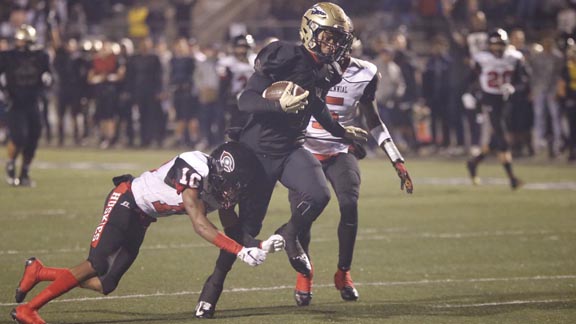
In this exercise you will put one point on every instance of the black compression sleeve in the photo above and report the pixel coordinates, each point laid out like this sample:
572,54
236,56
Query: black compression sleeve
251,100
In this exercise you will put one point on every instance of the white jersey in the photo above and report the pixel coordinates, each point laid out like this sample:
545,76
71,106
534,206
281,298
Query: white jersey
240,71
158,192
496,71
342,102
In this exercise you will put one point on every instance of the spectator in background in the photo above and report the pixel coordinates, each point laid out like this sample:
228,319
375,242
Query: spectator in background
144,83
404,120
207,81
124,107
476,38
546,65
520,119
568,92
182,68
437,92
156,21
183,9
72,73
137,26
105,75
391,87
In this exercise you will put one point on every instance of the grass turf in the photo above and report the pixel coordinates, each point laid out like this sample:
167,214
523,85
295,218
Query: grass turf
450,253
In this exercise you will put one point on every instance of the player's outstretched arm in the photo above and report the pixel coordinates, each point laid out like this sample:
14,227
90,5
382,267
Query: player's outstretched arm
380,133
197,213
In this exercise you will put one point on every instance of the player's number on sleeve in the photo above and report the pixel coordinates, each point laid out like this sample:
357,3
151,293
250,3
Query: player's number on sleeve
497,79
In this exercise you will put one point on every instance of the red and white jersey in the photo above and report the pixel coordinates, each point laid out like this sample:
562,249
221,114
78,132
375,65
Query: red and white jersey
496,71
342,102
158,192
239,71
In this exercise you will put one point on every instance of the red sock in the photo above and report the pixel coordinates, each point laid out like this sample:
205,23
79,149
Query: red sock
64,281
304,283
50,274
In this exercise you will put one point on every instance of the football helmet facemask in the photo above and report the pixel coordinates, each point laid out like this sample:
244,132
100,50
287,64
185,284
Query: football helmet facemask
326,31
231,169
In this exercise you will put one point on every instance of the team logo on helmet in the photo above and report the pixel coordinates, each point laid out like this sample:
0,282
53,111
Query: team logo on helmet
227,161
316,10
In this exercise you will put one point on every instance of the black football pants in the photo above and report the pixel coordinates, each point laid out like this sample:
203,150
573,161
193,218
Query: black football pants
298,171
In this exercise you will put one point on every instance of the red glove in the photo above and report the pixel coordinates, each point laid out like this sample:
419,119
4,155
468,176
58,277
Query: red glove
405,181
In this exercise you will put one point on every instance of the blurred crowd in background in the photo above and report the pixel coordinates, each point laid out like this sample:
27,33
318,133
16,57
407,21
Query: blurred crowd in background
158,74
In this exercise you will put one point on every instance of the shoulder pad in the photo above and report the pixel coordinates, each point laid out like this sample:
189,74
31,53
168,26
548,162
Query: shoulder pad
277,57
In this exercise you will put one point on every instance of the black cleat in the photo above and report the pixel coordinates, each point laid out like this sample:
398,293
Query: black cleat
204,310
349,294
296,255
472,171
302,298
26,182
516,183
11,175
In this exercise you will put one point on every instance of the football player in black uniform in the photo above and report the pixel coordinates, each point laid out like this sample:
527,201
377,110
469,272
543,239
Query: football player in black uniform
27,71
191,183
276,131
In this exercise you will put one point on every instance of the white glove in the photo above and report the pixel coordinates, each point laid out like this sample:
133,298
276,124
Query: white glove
356,134
469,101
507,90
273,244
290,103
253,256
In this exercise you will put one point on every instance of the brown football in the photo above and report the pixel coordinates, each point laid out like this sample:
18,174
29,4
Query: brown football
275,90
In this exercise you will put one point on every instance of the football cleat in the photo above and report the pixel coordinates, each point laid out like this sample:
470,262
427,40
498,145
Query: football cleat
343,282
302,298
26,315
204,310
11,174
29,278
296,255
303,290
516,183
472,167
26,182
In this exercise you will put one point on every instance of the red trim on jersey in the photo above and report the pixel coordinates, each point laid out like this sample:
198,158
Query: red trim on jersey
324,157
227,244
110,203
338,101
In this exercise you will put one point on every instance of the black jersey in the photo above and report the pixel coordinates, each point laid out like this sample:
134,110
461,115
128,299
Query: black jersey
23,70
270,130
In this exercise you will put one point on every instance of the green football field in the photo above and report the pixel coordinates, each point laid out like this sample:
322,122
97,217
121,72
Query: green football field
449,253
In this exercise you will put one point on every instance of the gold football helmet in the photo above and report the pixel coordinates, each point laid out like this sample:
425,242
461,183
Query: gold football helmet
25,33
326,31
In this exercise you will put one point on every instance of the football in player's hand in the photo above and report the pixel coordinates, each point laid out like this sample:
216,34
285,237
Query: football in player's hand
275,90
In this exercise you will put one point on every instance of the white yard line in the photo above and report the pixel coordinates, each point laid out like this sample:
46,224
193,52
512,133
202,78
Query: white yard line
385,283
370,236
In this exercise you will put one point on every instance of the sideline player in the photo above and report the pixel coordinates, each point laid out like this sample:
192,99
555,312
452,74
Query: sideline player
339,162
498,70
191,183
27,71
276,131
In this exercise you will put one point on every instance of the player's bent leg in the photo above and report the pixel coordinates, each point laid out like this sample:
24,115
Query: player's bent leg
296,255
343,282
214,285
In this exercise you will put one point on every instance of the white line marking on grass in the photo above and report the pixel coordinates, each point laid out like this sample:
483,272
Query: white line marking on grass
564,185
373,236
512,302
390,283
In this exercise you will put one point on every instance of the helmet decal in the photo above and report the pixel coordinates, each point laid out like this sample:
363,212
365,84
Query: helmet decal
317,10
227,161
